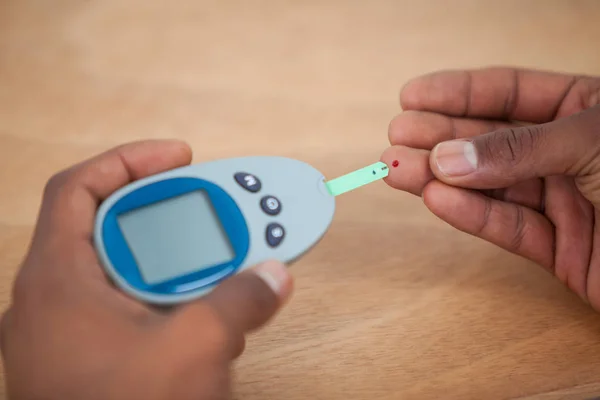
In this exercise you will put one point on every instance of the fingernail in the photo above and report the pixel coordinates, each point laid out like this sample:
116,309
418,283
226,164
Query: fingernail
455,158
275,275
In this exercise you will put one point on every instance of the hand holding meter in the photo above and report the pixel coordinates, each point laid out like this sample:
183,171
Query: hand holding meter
174,236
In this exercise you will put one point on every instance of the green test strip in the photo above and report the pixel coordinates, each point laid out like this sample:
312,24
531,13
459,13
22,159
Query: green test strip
358,178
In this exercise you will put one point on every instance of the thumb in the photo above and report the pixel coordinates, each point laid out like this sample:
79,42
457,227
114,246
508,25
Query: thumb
240,304
248,300
567,146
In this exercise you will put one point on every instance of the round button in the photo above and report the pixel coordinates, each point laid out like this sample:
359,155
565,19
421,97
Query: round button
271,205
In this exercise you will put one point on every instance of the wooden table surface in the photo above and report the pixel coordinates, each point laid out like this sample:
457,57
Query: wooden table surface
393,303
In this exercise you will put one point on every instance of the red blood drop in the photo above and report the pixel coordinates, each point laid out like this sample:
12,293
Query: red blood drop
395,163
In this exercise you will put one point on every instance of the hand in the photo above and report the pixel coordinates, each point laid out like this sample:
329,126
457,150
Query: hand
531,187
69,334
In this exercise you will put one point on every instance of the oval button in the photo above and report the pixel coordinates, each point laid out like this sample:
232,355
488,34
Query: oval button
248,181
275,234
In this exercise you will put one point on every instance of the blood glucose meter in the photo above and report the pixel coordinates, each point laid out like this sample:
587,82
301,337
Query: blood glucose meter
174,236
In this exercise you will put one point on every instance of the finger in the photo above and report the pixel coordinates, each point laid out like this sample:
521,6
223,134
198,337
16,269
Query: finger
512,227
528,193
573,218
502,158
423,130
71,197
413,173
501,93
245,302
409,168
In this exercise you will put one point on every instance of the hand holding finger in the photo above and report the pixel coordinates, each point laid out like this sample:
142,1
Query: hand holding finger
526,188
567,147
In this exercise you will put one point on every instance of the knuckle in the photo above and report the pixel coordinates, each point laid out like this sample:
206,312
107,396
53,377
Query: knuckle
519,229
53,184
594,98
61,186
20,289
485,218
56,183
582,94
510,145
588,92
24,286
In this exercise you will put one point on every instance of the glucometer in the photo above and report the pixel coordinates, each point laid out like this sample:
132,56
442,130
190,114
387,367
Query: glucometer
172,237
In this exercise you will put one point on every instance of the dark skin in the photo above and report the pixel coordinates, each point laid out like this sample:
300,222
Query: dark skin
534,137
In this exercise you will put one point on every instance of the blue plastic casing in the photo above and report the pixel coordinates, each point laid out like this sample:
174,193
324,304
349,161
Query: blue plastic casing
304,212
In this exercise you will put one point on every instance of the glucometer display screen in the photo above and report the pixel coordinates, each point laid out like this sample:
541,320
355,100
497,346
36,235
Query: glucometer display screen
175,237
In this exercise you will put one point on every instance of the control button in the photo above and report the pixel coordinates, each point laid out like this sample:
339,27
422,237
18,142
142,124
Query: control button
275,234
270,205
248,181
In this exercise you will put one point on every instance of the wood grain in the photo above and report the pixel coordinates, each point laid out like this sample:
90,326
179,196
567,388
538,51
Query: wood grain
393,304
